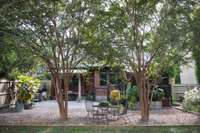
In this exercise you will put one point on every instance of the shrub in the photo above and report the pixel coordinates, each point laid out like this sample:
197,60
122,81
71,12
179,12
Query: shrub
192,100
123,100
158,94
26,88
132,96
104,104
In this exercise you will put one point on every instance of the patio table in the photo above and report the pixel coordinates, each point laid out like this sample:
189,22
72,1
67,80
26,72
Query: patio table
101,113
105,111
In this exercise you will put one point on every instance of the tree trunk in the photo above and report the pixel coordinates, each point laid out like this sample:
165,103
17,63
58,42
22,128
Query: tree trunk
52,88
144,105
66,88
143,97
60,97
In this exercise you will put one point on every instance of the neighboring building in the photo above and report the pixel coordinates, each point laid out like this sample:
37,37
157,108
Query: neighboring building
188,79
188,74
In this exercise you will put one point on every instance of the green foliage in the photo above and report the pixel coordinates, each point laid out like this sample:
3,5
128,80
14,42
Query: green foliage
152,70
14,59
27,87
44,76
198,68
172,71
132,95
123,100
104,103
158,94
49,29
90,97
195,22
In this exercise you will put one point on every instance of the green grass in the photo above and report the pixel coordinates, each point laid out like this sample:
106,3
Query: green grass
100,129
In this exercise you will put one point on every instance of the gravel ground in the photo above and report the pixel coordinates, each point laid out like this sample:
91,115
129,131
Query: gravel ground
46,113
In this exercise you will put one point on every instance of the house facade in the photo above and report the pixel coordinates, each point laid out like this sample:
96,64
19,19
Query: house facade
99,82
96,81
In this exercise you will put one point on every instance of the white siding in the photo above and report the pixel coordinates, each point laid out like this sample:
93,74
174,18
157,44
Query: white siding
188,74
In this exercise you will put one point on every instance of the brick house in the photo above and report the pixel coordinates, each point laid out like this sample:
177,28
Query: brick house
99,82
94,81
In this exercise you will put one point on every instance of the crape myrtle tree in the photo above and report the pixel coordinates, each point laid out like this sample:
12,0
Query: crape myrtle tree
52,31
151,42
144,36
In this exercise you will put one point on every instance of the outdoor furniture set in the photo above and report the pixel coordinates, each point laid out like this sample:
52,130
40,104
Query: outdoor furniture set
105,113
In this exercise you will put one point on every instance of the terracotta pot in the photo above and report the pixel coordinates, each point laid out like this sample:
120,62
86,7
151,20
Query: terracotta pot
166,102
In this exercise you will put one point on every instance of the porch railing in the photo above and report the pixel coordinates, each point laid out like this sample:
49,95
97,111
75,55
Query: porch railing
178,90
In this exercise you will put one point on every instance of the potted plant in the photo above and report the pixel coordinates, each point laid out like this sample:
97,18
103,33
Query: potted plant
26,89
158,95
115,96
166,102
19,105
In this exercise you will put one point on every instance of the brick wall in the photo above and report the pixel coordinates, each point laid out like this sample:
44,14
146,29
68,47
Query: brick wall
99,90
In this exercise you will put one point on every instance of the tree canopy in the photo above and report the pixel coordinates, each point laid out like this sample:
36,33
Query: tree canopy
146,37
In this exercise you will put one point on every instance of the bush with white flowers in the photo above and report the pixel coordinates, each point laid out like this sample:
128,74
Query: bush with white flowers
192,100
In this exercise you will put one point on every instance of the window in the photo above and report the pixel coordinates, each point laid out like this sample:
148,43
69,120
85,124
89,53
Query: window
74,81
103,79
108,77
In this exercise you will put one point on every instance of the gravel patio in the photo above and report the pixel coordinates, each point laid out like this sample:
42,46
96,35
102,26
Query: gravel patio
46,113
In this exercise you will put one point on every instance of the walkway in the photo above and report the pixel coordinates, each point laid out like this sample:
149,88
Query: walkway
47,113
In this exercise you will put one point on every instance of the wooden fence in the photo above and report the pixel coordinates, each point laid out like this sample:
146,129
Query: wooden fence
178,90
7,93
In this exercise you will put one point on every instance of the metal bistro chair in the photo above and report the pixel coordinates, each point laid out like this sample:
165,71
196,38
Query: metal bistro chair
113,112
90,109
123,113
101,115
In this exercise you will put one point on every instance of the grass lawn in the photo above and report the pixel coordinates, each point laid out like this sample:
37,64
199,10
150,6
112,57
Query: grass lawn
100,129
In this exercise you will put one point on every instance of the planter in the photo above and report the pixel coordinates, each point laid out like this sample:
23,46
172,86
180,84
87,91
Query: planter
28,106
156,105
166,102
19,107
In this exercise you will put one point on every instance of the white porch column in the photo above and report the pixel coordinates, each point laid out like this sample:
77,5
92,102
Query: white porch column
79,86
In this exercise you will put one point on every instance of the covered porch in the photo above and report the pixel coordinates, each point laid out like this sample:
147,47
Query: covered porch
76,86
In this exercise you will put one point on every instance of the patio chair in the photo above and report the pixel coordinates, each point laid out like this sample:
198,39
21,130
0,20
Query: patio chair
90,109
120,113
101,115
113,112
